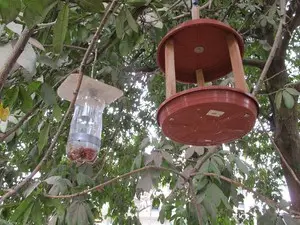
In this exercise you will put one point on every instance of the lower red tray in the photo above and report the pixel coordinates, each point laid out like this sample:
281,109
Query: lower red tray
206,116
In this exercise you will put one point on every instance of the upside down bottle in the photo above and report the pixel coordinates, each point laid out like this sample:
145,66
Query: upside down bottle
85,133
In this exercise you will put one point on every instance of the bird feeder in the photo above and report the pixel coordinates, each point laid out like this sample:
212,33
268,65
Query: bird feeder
195,52
85,133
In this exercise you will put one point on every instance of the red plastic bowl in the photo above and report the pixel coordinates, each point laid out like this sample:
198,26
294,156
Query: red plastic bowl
206,116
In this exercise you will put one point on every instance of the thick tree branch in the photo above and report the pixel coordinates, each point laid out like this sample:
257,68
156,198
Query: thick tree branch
101,186
277,42
292,23
108,12
254,63
17,51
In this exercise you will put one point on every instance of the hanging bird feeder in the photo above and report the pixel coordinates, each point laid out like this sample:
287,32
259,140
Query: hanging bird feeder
199,51
85,133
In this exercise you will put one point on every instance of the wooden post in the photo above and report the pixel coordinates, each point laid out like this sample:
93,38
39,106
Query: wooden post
236,63
200,78
170,69
195,12
199,73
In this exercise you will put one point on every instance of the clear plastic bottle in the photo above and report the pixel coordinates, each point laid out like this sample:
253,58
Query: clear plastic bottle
85,133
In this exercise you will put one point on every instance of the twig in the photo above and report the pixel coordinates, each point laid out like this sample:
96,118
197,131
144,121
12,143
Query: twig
70,46
280,154
44,25
181,16
275,75
101,186
94,63
206,5
263,198
194,201
277,40
17,51
51,147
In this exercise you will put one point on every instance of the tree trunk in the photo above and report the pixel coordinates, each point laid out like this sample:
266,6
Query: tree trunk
286,133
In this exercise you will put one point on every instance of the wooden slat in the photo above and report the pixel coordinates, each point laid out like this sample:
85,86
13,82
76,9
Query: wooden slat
236,63
170,69
195,12
200,78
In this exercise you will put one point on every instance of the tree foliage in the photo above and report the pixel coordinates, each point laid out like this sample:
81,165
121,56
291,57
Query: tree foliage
208,178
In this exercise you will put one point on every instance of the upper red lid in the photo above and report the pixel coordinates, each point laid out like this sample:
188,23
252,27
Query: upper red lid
199,44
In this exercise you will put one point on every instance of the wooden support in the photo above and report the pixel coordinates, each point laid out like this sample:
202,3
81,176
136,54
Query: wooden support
236,63
195,12
170,69
200,78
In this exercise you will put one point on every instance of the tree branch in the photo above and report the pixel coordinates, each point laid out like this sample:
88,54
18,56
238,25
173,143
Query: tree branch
17,51
254,63
110,8
101,186
277,42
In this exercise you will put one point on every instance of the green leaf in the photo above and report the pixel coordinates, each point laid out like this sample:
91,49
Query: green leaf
77,214
91,5
26,99
167,157
48,94
131,21
60,28
124,47
278,99
120,24
292,91
241,166
33,86
289,220
57,114
4,222
137,163
162,214
36,11
21,209
210,208
43,137
38,215
27,213
83,179
31,187
9,10
269,218
10,97
288,99
59,185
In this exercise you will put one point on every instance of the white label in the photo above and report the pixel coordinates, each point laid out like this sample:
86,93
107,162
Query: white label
215,113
